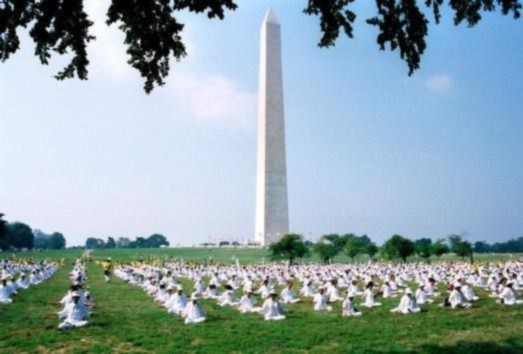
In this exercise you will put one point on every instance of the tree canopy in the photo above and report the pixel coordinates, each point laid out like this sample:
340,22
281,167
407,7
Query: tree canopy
514,245
424,247
3,226
440,247
153,241
460,246
357,245
326,250
290,247
111,243
19,235
153,31
57,241
398,247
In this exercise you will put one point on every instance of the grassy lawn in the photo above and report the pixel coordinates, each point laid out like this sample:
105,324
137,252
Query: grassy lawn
126,320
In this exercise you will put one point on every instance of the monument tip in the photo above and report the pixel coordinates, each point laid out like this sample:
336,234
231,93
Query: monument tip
270,17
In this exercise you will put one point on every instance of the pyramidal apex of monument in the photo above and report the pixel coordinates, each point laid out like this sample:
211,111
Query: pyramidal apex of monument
270,17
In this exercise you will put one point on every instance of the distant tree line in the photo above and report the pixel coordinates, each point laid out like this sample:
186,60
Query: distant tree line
153,241
54,241
293,246
511,246
17,235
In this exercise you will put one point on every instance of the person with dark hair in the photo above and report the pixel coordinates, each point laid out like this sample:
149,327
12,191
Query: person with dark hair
74,314
368,296
272,309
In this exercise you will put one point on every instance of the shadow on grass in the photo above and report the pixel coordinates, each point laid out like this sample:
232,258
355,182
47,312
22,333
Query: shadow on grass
511,345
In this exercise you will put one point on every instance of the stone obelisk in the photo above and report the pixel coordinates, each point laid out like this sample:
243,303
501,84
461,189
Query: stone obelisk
272,214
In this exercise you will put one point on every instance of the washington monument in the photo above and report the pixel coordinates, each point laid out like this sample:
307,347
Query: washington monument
272,211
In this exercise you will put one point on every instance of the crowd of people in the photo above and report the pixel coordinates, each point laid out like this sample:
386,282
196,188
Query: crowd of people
76,303
16,275
414,284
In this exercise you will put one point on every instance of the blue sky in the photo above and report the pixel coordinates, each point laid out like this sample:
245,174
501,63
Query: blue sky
370,150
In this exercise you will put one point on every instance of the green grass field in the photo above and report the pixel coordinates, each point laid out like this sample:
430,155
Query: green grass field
127,320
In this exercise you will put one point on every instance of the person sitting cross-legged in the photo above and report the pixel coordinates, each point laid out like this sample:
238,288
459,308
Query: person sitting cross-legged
349,307
407,304
272,309
194,312
74,314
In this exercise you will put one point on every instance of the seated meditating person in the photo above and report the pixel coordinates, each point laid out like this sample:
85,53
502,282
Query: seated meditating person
307,290
430,288
332,291
354,288
6,291
421,295
152,288
392,282
456,298
288,295
194,312
407,304
33,278
228,298
467,291
348,307
386,291
264,289
247,303
272,309
215,280
368,296
23,282
247,283
196,293
211,292
171,298
161,294
319,300
74,314
509,296
179,302
234,282
514,281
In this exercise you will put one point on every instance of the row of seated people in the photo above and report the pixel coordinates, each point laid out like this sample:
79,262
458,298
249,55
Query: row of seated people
19,275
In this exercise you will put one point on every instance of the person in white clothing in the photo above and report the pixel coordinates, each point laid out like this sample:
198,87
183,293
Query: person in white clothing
228,298
421,295
179,302
456,298
23,282
272,309
467,291
368,296
349,307
211,292
6,291
407,304
247,303
307,290
319,301
288,295
354,288
194,312
386,291
74,314
508,295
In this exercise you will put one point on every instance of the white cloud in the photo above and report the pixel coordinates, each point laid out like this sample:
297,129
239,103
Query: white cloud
215,99
106,53
439,83
211,99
